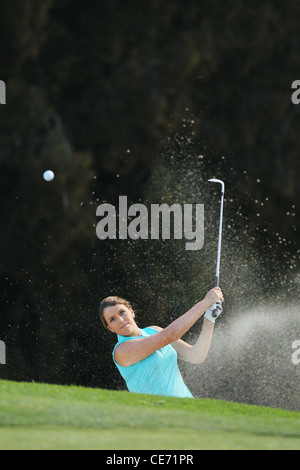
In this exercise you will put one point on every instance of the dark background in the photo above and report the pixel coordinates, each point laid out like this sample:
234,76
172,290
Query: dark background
149,100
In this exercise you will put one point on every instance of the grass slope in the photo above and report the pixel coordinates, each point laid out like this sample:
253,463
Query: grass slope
41,416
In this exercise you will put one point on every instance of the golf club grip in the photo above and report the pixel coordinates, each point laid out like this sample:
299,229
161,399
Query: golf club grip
215,312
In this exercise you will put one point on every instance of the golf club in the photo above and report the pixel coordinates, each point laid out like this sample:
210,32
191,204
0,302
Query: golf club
217,280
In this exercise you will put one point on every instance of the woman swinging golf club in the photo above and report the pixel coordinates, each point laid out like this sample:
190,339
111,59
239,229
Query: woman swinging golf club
147,358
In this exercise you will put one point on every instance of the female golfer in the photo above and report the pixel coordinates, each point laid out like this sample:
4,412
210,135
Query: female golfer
147,358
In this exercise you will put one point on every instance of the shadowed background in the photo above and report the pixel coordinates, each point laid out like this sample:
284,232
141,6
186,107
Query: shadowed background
148,100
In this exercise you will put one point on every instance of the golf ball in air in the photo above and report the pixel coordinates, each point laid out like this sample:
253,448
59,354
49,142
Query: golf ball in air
48,175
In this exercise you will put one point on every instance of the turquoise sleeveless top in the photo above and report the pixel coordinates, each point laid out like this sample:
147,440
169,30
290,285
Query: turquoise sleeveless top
157,374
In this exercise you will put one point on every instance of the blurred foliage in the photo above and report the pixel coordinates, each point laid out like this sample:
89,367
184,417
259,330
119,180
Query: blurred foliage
149,100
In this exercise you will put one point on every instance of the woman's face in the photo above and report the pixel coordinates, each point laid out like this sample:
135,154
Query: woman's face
120,320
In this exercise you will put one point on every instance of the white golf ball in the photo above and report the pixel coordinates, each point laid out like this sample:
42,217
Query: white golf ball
48,175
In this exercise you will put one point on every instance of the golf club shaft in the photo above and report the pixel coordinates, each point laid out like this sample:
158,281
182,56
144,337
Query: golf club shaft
217,281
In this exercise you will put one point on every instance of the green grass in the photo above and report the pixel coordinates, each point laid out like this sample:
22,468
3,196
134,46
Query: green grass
41,416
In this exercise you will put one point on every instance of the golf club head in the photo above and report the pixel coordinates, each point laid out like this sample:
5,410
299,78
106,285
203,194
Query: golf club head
213,180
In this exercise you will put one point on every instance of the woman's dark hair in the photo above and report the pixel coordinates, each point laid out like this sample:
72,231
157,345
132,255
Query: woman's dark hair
109,302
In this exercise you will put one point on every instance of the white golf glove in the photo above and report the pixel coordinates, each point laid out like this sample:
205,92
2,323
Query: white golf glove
214,312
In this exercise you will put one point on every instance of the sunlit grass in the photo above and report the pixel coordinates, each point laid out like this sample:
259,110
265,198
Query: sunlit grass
41,416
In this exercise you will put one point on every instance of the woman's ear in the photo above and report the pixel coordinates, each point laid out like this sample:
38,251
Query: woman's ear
109,329
133,314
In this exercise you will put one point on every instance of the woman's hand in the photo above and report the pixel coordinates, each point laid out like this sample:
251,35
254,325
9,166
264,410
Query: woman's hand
213,296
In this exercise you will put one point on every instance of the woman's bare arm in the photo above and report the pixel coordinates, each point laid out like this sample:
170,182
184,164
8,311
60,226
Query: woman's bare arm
198,353
135,350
